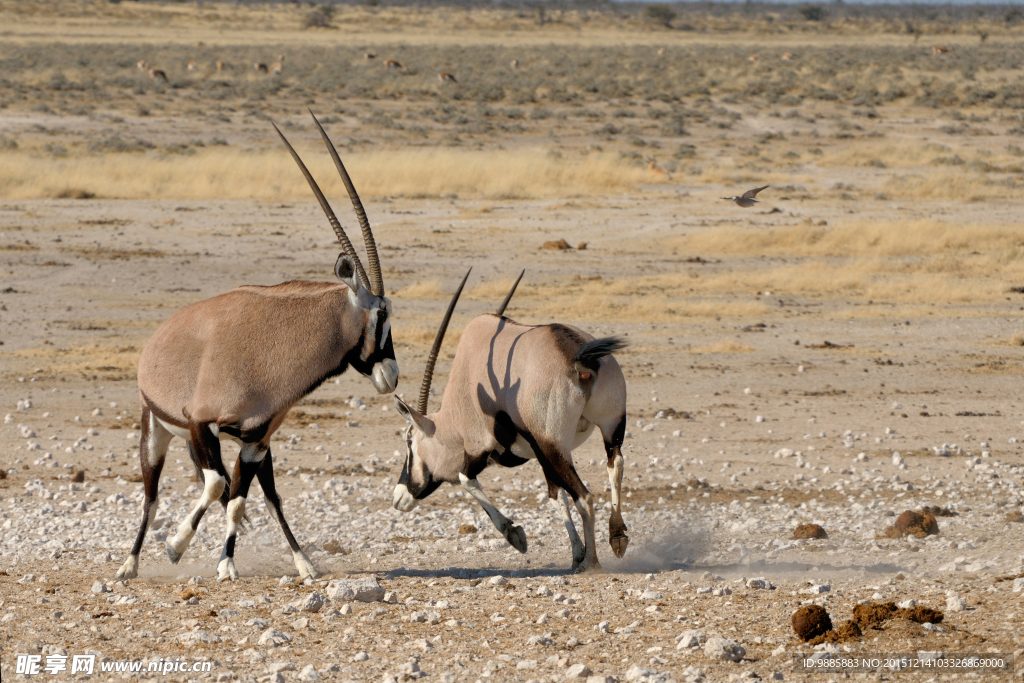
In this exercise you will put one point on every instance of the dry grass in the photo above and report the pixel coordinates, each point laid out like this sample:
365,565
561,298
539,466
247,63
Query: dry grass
233,174
721,347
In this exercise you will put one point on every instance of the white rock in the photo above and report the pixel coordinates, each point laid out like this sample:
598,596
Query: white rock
311,603
690,638
648,594
954,603
1018,585
273,638
498,581
724,649
907,604
600,679
577,671
784,453
364,590
99,587
760,583
640,673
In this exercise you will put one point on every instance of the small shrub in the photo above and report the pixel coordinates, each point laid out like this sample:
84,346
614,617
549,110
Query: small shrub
813,12
320,17
661,14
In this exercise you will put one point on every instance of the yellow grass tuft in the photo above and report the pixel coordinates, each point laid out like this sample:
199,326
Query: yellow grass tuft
271,175
722,347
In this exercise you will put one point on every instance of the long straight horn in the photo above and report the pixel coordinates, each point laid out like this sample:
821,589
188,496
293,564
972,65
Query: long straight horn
376,280
508,297
428,372
338,230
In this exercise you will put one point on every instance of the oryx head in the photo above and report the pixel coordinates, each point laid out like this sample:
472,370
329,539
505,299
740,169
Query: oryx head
419,475
376,357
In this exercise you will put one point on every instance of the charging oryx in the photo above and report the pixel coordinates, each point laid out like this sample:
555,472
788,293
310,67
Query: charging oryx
515,393
232,366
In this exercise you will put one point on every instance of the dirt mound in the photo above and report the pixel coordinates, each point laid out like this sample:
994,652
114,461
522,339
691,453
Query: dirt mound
919,524
811,621
844,634
806,531
557,245
466,529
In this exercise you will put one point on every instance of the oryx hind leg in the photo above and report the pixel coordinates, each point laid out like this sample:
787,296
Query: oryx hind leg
246,466
579,551
561,473
206,449
515,535
616,527
265,474
152,450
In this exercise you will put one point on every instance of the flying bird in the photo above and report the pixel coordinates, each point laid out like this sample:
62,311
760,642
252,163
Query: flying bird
746,200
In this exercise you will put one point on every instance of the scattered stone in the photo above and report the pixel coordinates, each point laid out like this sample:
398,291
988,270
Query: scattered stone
690,638
311,603
811,621
760,583
99,587
364,590
577,671
273,638
724,649
809,531
955,603
1018,585
915,524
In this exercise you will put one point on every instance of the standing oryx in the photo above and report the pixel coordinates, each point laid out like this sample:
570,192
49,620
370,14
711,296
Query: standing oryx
232,366
515,393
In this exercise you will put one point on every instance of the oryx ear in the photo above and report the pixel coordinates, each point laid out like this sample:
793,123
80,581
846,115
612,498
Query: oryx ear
418,420
346,272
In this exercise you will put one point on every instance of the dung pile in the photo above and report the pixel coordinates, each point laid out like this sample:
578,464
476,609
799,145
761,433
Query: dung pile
813,625
809,531
910,523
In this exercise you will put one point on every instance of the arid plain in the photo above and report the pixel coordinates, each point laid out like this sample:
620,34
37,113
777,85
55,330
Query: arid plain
850,348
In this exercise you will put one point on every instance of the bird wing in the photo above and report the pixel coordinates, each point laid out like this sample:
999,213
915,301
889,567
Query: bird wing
750,194
732,198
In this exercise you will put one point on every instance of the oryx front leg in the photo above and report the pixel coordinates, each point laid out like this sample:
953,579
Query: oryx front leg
515,535
248,463
616,527
178,544
579,551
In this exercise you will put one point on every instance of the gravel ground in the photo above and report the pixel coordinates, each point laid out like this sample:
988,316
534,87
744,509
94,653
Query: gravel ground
727,454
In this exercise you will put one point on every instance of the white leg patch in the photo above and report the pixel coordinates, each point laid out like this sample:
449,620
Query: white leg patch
214,486
562,508
305,567
130,568
515,535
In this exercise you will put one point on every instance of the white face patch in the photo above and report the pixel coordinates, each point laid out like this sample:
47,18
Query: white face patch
402,500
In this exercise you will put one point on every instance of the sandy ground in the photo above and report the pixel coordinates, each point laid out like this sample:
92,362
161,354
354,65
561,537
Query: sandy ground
769,433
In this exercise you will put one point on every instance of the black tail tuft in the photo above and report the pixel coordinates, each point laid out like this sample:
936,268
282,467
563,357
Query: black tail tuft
591,353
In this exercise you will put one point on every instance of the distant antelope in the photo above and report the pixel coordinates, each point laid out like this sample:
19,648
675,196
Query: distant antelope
392,64
652,167
752,58
260,67
277,66
158,75
220,66
938,50
517,393
232,366
661,51
446,77
786,56
514,64
142,65
191,66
